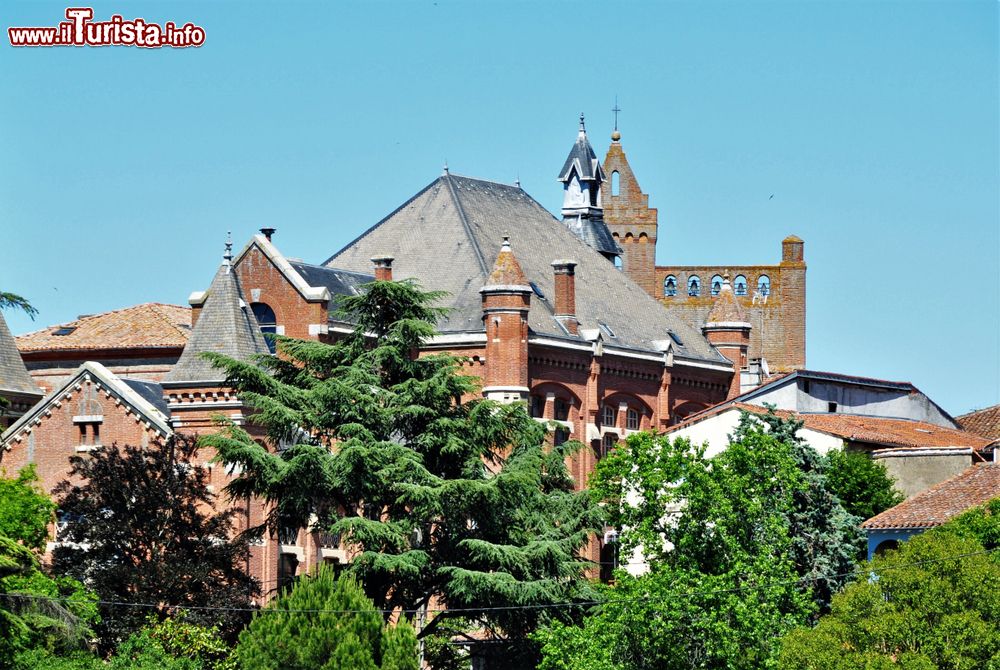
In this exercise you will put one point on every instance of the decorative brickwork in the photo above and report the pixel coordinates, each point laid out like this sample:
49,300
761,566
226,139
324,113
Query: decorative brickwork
630,218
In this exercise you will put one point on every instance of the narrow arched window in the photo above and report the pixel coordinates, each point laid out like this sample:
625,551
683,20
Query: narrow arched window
764,285
632,419
670,286
615,183
266,320
694,286
740,285
716,284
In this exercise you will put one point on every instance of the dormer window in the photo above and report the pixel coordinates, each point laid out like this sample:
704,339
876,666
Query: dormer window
267,321
65,330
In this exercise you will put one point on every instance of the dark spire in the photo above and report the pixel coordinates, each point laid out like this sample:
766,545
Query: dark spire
14,376
226,325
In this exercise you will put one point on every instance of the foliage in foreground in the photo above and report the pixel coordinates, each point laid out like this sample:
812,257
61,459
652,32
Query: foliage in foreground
450,498
139,531
36,611
325,623
742,548
861,483
933,603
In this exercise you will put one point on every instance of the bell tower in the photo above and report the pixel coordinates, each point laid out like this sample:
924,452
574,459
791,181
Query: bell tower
629,217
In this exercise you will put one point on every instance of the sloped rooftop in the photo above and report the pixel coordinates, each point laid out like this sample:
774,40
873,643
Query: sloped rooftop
447,237
149,325
942,502
984,422
13,375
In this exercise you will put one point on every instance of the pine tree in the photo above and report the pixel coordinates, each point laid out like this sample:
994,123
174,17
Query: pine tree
450,499
327,623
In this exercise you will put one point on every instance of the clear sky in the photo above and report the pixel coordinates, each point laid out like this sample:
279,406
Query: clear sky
873,124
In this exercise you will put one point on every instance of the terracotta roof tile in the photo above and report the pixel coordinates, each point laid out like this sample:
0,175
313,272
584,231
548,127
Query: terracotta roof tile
985,422
944,501
150,324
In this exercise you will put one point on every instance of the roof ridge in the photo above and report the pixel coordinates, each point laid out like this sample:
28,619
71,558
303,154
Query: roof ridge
934,489
465,225
165,317
382,220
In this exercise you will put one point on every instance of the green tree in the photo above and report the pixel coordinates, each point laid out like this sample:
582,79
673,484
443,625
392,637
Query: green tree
933,603
325,623
862,484
140,530
36,611
450,498
14,301
737,554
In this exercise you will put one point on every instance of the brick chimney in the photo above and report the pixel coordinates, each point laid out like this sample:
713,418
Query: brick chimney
383,268
565,284
268,232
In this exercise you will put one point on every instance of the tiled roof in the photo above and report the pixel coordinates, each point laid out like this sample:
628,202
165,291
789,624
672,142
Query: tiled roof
151,325
13,375
445,238
946,500
226,325
727,308
879,431
985,422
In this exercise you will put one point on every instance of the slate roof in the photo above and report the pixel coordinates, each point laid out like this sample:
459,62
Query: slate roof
582,156
338,282
942,502
985,422
226,325
447,235
881,432
151,392
13,375
594,232
149,325
727,308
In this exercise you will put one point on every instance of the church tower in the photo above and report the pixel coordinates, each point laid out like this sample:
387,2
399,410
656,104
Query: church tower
629,218
581,177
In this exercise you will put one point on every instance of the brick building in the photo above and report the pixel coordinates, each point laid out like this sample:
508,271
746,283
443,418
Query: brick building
538,308
773,296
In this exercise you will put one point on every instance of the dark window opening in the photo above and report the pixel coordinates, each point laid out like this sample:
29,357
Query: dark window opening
561,410
608,442
65,330
831,407
288,565
609,557
267,321
537,406
805,386
561,436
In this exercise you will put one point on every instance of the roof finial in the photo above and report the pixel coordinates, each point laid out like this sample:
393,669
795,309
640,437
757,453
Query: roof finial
445,173
583,128
506,242
615,134
517,180
228,256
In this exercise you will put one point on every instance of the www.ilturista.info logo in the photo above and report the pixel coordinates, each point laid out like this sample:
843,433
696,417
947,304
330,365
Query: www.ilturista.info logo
81,31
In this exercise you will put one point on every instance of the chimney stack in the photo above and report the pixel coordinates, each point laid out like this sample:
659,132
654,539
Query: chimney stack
565,284
383,268
268,232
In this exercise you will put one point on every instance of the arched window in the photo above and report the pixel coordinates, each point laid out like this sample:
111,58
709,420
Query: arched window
609,416
615,183
632,419
716,284
670,286
740,285
267,321
764,285
694,286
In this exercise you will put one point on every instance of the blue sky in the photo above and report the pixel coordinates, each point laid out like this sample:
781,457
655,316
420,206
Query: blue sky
873,124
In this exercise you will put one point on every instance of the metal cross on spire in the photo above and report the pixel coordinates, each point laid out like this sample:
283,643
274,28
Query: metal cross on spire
616,109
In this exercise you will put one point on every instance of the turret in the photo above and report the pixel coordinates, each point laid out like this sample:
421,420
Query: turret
728,330
506,301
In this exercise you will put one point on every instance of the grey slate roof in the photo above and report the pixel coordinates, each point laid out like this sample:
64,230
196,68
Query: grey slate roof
226,325
582,155
151,392
14,376
338,282
449,234
595,233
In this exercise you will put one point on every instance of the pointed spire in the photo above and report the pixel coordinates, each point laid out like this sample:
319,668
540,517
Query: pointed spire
14,376
583,127
227,257
445,173
727,309
226,325
507,273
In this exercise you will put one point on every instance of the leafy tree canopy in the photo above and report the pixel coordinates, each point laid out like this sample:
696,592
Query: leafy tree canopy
933,603
14,301
740,548
450,499
862,484
25,510
139,530
325,623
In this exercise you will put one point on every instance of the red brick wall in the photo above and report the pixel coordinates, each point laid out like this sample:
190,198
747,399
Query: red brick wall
630,219
257,273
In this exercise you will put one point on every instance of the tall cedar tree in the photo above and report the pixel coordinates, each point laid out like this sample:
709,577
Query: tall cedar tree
451,500
326,623
140,530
